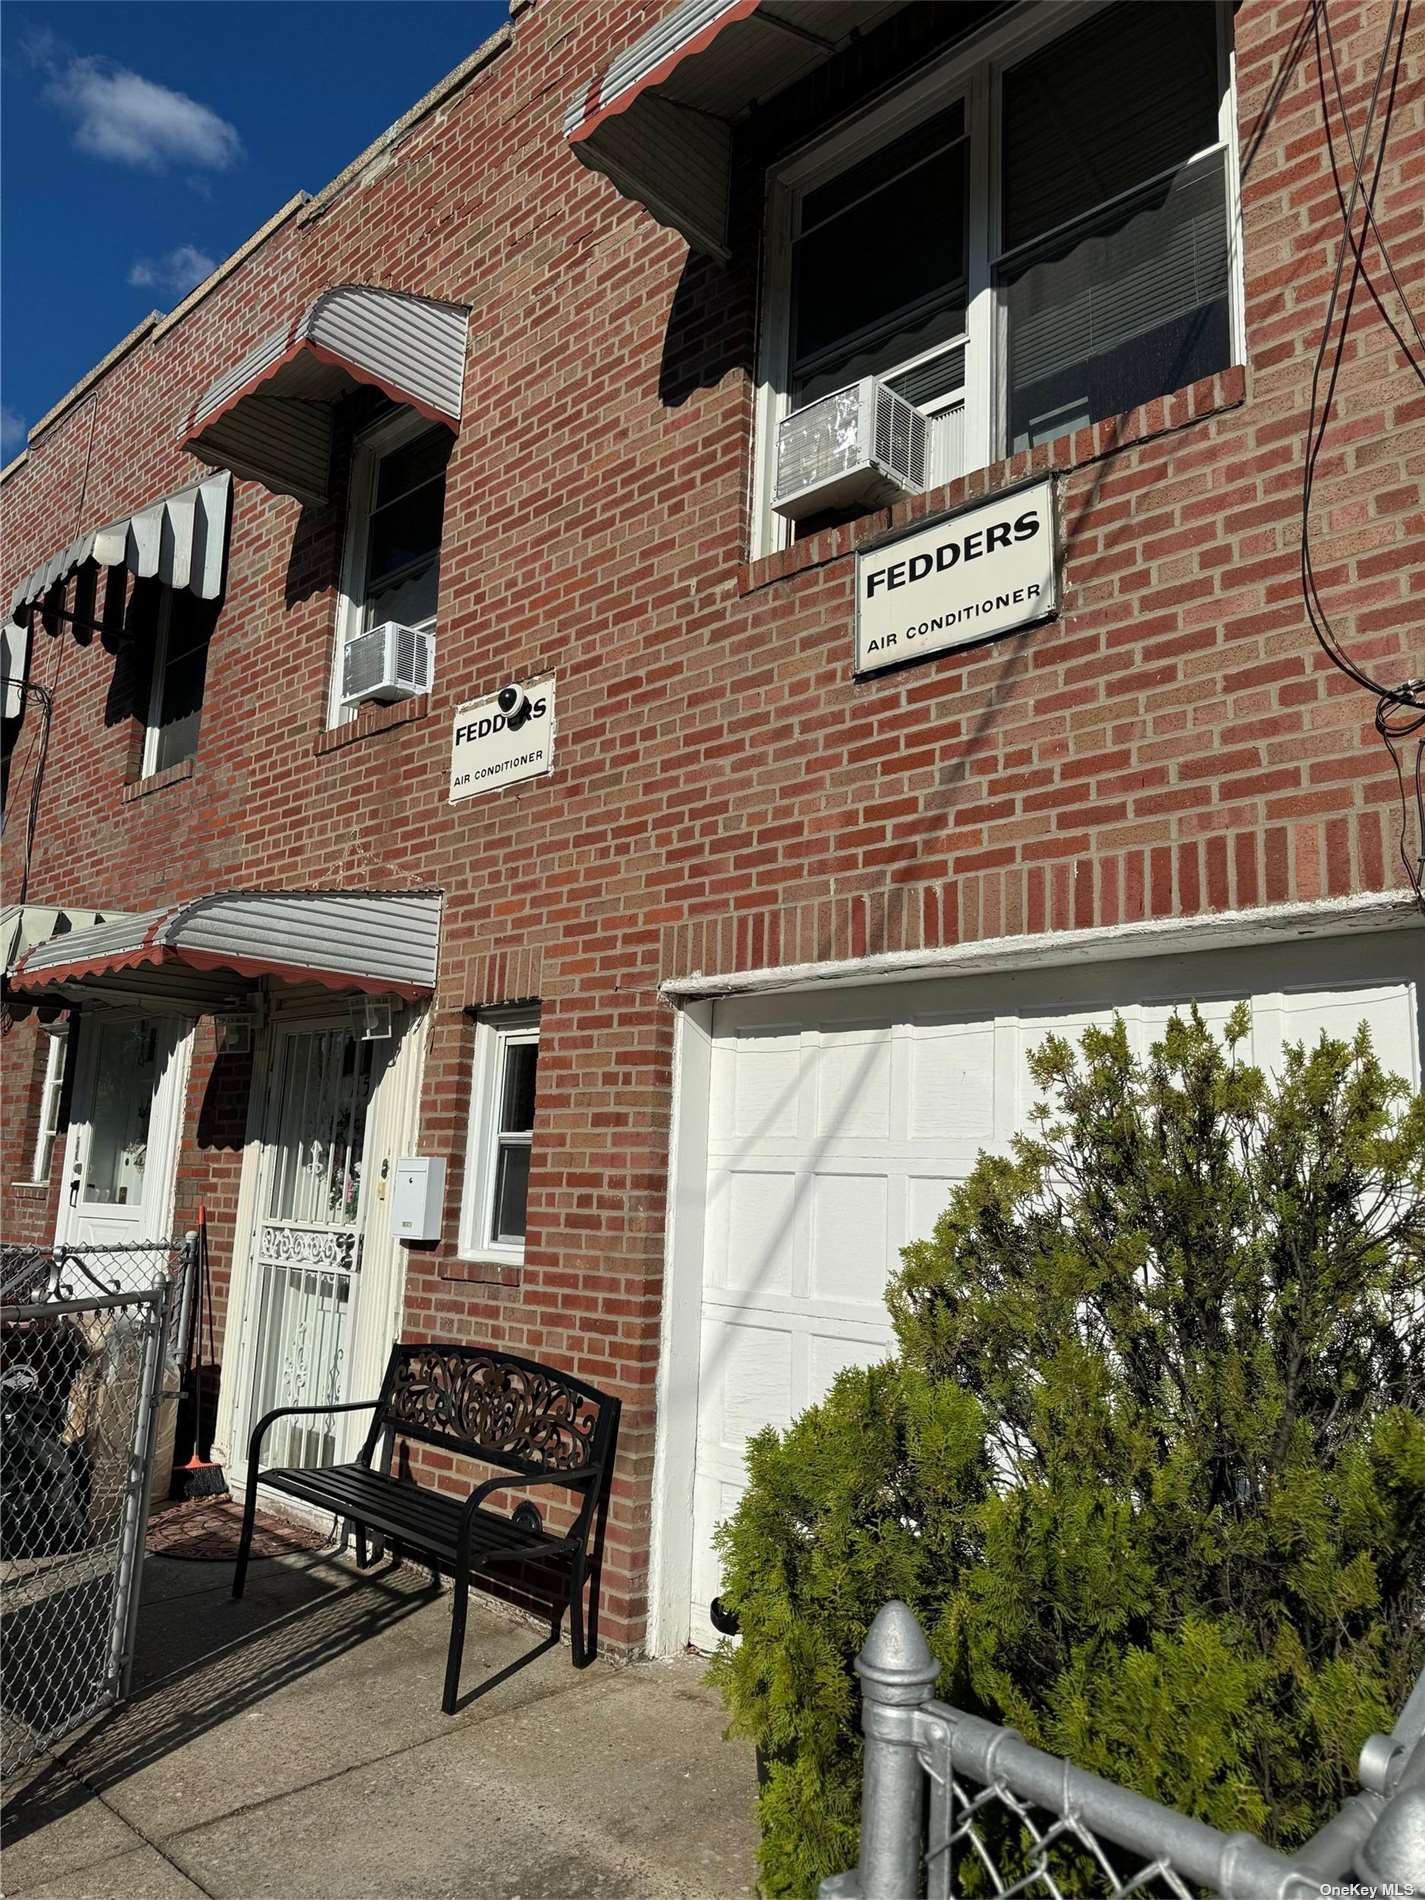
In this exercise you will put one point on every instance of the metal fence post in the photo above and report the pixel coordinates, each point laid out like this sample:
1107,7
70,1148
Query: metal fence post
897,1674
1393,1858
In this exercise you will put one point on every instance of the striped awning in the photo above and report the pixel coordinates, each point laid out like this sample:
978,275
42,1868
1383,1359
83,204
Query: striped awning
181,540
658,122
380,942
269,417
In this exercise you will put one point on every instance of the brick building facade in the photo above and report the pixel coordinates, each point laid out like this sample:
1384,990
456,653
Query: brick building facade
783,931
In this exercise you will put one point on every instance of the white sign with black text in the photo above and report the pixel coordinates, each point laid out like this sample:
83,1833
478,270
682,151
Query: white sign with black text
984,571
487,753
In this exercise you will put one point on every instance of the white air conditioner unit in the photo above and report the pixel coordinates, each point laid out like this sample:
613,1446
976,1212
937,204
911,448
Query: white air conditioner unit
862,444
385,663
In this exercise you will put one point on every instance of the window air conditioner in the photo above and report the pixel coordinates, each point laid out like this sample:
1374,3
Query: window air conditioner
862,444
385,663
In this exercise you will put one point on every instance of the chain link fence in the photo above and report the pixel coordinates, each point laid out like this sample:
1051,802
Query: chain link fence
1004,1818
84,1353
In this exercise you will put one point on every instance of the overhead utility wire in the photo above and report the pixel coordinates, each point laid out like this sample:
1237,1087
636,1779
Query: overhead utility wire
1400,710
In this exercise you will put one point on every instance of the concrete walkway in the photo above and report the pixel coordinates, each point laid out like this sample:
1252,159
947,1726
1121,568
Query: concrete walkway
291,1747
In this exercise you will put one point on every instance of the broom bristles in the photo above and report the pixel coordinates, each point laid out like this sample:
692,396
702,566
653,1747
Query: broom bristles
198,1479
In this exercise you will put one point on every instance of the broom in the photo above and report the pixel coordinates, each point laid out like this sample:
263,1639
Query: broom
200,1477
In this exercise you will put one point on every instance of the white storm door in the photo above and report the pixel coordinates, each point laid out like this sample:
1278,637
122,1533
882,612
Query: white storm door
307,1238
123,1129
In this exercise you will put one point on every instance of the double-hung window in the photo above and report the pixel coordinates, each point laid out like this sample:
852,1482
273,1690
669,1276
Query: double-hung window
1033,236
494,1214
392,569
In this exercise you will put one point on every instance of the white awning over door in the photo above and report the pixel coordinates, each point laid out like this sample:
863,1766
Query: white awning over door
381,942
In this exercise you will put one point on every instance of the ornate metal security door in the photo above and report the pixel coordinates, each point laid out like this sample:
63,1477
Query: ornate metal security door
308,1233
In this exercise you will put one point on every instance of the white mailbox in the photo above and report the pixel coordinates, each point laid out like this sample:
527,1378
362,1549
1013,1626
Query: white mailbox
418,1197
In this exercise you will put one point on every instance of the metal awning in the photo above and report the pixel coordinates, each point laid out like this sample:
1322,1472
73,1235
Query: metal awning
269,417
181,541
381,942
23,926
659,121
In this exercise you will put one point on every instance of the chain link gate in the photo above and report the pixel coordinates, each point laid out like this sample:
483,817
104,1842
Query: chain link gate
1005,1818
84,1349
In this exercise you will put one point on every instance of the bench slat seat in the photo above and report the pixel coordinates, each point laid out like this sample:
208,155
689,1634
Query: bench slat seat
534,1425
411,1513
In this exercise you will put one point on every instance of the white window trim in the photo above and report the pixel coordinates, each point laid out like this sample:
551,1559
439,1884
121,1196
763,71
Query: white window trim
391,432
494,1035
163,620
51,1095
972,71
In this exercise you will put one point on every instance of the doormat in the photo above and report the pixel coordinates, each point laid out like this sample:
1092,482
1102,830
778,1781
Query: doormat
206,1531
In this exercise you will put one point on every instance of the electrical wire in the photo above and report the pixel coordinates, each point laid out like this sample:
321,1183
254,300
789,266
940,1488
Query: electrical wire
45,695
1400,709
1321,21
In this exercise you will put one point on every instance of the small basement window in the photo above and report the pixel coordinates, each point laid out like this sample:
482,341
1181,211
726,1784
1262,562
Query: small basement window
1035,235
494,1213
392,568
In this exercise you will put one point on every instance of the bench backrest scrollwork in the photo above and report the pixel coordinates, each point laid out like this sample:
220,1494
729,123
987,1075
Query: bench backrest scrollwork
511,1412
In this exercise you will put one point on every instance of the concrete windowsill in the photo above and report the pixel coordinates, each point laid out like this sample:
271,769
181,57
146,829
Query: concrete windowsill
483,1269
158,781
369,721
1165,414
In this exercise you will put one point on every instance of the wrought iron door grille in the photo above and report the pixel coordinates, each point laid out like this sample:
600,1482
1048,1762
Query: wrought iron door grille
305,1308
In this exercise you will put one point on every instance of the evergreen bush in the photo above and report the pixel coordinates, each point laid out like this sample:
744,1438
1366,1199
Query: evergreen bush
1149,1463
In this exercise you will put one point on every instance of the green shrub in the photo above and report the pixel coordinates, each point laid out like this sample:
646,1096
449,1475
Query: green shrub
1149,1464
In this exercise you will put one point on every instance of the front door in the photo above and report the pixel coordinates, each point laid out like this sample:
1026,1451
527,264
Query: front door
307,1238
123,1127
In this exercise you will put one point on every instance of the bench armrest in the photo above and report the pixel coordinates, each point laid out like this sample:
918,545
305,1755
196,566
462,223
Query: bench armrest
254,1444
516,1481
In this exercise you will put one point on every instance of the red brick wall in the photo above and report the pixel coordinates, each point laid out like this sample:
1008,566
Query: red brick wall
725,795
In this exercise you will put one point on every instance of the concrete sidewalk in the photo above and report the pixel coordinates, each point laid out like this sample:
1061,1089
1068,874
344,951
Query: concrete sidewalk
291,1747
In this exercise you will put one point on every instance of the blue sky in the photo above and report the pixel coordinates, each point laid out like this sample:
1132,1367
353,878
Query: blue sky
141,143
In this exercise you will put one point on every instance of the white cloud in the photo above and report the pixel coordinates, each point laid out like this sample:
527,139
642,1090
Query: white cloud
13,430
177,270
120,115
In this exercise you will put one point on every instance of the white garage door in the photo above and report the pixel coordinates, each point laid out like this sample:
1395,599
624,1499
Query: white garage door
839,1120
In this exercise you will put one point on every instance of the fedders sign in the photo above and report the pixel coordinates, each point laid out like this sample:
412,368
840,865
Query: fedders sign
485,755
973,575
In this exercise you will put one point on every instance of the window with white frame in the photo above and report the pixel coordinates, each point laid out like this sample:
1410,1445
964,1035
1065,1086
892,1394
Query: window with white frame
183,631
493,1216
1033,236
392,565
51,1093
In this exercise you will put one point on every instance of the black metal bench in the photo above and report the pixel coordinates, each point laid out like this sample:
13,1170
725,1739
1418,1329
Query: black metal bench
539,1426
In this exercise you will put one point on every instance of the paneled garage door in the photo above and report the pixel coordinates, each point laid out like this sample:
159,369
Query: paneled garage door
839,1120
